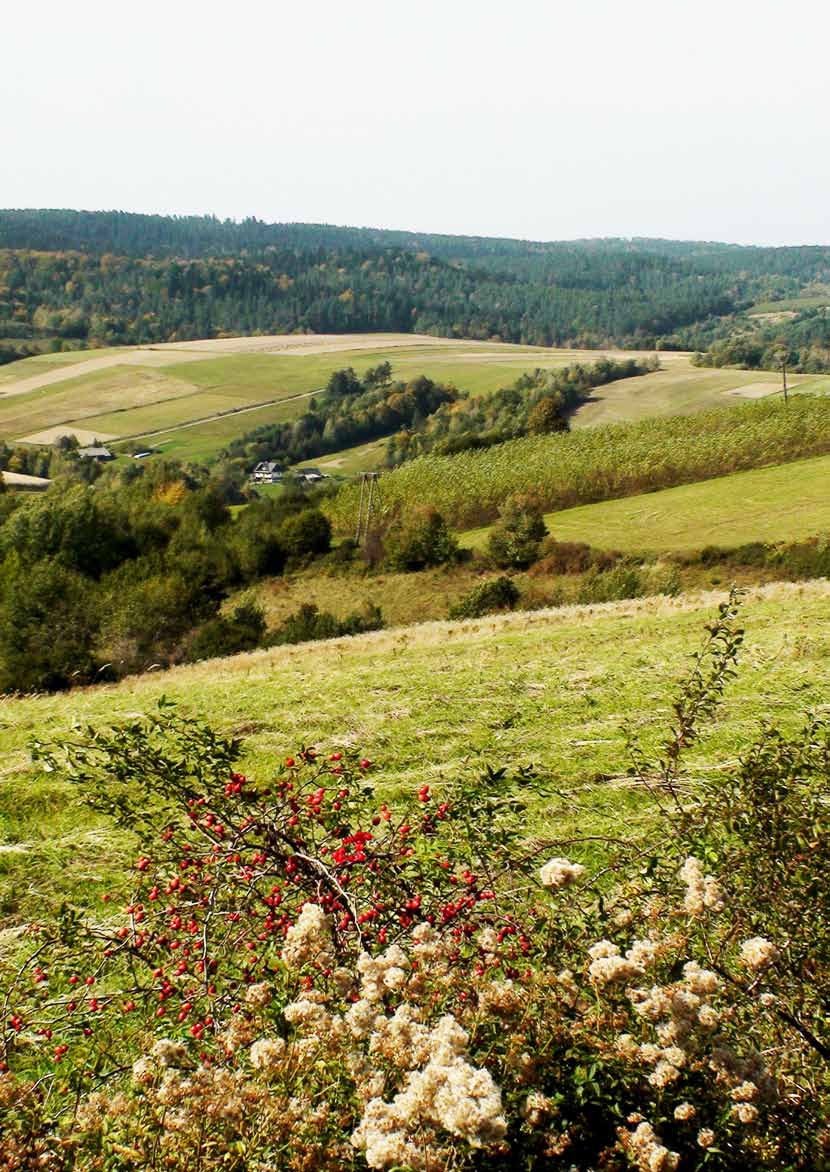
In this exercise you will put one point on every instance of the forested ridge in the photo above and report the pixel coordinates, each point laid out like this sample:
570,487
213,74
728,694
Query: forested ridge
75,279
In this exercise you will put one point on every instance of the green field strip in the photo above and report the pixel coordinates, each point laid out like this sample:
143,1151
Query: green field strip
786,502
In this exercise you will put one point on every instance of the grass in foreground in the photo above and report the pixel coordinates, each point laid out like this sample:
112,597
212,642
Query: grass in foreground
426,703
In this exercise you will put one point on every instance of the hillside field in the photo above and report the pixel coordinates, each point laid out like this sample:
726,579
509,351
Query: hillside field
190,399
548,687
573,468
785,502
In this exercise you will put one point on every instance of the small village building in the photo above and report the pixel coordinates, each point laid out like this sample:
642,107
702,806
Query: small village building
96,453
310,475
267,472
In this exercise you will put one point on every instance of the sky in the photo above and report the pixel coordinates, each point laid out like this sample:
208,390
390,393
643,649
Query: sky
688,119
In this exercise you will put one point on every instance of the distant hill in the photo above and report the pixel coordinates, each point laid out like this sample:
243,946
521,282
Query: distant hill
71,279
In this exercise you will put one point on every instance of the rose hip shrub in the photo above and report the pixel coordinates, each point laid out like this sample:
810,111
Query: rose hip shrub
305,977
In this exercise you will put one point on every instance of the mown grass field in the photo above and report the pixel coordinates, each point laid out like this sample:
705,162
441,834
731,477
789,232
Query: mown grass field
681,388
792,304
551,688
141,391
786,502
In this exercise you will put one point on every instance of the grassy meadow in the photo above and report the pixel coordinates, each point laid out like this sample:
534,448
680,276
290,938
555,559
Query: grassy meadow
784,502
550,688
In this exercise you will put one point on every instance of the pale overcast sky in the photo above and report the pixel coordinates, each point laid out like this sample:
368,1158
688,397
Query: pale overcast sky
704,119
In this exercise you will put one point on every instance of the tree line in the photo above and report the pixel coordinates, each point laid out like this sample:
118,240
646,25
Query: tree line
99,581
79,279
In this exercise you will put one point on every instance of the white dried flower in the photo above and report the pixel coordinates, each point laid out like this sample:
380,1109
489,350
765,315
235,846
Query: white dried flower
745,1092
169,1053
448,1093
758,952
259,995
144,1072
745,1112
651,1155
705,1137
267,1053
361,1017
699,980
708,1017
488,940
305,1012
684,1111
309,939
702,891
663,1074
536,1109
560,873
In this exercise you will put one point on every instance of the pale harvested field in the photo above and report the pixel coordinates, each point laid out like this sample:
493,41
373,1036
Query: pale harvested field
758,390
51,435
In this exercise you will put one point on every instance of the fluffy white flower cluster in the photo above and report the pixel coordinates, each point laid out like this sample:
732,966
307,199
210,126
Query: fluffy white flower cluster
677,1011
681,1007
447,1094
168,1053
309,940
702,891
560,873
648,1152
382,974
267,1053
258,995
758,952
609,967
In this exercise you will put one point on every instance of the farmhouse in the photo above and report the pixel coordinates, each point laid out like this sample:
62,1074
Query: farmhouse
310,475
267,472
96,453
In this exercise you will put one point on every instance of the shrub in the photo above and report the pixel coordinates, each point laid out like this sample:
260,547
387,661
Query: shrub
309,623
306,534
418,541
611,585
571,557
497,594
546,417
304,977
243,630
515,540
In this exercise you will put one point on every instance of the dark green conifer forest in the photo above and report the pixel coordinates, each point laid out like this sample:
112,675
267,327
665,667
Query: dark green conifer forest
73,279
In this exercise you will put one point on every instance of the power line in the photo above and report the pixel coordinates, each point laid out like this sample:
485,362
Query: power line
368,504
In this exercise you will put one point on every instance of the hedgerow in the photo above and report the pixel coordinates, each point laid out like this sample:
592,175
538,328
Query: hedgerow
307,978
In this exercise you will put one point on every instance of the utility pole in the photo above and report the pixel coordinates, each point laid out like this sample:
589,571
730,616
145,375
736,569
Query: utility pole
368,505
784,377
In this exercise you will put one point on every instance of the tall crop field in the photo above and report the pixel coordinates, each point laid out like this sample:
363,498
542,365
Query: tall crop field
604,462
